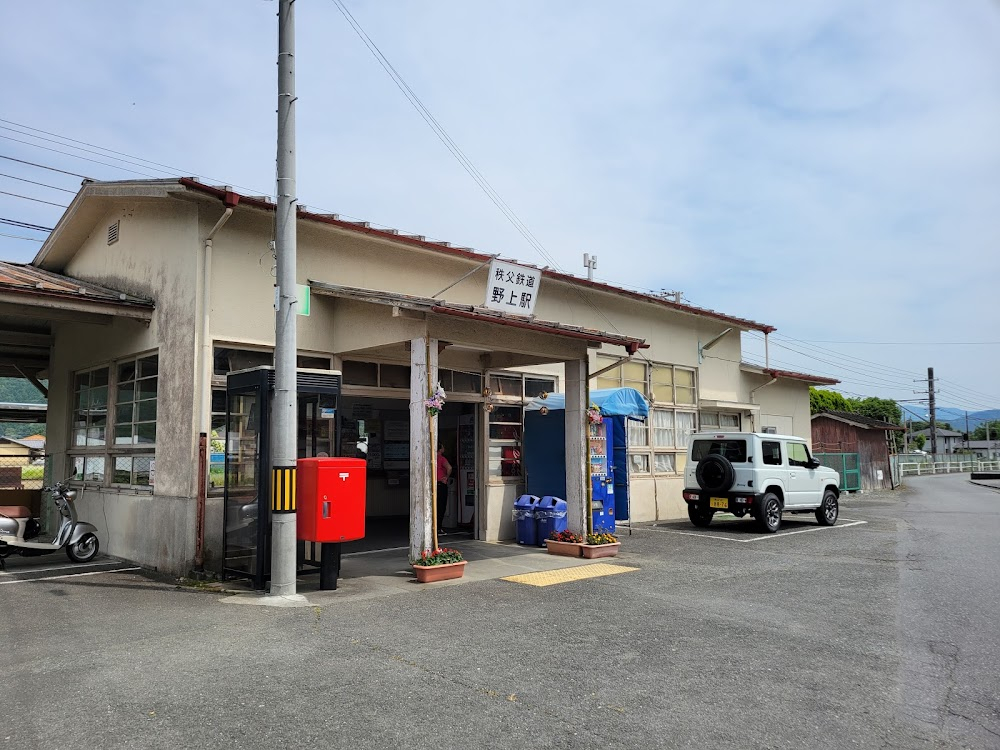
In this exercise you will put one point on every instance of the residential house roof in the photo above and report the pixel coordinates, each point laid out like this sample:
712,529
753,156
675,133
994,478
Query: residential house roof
859,420
35,445
941,433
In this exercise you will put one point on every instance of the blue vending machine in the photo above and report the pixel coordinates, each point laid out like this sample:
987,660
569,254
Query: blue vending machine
602,478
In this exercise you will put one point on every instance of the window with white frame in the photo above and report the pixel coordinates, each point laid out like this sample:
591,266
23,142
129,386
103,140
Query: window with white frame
659,445
122,396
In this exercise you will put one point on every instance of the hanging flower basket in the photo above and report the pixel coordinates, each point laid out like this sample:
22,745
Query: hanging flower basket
594,414
436,401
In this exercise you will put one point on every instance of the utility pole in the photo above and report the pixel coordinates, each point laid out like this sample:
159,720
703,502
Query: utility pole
283,412
966,430
930,397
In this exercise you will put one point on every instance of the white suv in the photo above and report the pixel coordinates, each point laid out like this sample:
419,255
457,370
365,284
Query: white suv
760,474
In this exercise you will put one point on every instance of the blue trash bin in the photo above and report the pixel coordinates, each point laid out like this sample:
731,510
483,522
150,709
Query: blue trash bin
524,519
551,514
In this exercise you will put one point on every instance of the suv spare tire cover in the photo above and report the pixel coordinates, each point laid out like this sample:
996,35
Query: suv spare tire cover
715,473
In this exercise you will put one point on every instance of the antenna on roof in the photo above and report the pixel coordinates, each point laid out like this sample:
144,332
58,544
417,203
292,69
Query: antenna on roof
590,262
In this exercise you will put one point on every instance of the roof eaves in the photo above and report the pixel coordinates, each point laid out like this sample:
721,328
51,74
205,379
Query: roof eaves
393,235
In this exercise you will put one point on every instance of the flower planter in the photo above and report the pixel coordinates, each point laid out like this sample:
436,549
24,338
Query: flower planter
432,573
568,549
600,550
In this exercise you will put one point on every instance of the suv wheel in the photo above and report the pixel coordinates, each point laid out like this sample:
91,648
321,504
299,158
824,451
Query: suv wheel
769,515
827,513
700,518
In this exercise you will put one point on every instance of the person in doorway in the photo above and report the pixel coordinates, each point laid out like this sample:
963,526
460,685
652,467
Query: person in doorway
443,475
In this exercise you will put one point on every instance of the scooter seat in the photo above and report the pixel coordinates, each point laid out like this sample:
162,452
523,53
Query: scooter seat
14,511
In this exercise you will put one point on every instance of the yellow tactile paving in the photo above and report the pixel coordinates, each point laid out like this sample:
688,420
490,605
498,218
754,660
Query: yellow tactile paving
565,575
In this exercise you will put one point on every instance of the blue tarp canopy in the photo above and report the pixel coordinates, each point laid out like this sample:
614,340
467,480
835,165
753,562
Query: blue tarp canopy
613,402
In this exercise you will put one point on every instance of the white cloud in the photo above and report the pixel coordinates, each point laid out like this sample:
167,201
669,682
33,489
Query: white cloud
826,167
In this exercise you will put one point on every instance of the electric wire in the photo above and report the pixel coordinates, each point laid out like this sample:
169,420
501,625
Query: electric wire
42,166
19,237
121,156
464,160
25,225
29,198
41,184
77,156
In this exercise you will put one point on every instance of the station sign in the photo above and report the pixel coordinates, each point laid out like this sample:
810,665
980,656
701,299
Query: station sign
512,288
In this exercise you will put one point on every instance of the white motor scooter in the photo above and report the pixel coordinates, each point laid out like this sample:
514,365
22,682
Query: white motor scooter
19,532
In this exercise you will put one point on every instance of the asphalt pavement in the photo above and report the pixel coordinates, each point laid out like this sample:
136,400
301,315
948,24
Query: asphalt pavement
879,632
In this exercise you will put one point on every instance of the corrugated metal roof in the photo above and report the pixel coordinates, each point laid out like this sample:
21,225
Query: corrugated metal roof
860,420
23,278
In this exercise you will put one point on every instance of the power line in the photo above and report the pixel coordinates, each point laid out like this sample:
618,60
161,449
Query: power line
42,166
19,237
29,198
464,160
25,225
77,156
41,184
84,143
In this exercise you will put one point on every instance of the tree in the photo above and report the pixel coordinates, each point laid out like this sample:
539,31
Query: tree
20,391
826,401
980,432
918,442
916,425
877,408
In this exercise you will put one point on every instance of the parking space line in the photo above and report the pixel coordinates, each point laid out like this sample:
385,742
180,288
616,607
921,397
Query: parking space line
805,531
759,537
43,568
68,575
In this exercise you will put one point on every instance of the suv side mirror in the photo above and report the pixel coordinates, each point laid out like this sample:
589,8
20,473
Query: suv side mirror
812,463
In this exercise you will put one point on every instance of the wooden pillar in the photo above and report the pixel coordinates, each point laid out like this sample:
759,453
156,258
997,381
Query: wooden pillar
423,444
576,445
420,452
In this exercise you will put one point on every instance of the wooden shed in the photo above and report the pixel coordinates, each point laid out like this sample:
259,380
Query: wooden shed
857,446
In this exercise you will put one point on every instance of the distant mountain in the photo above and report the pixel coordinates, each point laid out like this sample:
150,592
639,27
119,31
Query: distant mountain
957,417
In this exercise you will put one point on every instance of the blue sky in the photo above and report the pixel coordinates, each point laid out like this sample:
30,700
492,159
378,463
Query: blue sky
827,167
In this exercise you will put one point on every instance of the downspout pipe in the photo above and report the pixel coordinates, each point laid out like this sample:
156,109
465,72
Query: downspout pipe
772,381
230,200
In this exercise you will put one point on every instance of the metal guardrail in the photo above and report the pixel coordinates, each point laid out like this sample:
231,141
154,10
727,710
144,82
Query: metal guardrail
919,468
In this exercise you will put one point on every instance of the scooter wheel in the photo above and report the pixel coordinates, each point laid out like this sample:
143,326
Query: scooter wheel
84,550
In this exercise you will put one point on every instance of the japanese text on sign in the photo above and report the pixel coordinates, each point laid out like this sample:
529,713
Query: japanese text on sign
512,288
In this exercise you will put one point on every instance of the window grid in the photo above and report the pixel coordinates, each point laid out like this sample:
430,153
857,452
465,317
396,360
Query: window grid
659,445
114,423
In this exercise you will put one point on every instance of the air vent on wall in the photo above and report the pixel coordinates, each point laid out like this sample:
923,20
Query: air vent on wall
113,233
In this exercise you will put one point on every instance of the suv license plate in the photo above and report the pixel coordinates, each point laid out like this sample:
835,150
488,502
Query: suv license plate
718,502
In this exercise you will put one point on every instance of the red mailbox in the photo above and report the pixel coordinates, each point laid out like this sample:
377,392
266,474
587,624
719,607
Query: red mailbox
330,499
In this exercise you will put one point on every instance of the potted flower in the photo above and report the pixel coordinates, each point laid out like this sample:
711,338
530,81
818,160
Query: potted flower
439,564
600,544
564,543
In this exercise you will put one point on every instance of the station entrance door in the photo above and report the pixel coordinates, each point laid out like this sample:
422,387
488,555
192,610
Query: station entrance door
247,487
